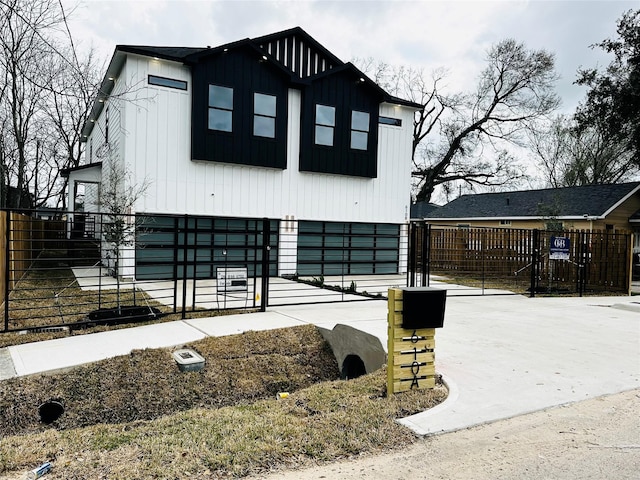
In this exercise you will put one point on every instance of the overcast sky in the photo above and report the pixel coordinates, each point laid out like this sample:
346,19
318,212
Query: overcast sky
429,34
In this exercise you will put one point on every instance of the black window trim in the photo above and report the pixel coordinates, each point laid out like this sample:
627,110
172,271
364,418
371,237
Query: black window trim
167,82
357,130
317,124
220,108
391,121
274,117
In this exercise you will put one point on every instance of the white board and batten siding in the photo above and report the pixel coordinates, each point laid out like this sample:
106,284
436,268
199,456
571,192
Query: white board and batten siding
156,134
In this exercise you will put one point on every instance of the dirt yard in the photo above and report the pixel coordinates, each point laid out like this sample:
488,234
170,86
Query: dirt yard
590,440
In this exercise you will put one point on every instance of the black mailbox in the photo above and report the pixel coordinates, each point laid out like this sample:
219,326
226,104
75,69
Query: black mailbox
423,307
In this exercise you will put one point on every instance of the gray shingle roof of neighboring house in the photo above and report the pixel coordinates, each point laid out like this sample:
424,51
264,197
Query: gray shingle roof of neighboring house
423,209
568,202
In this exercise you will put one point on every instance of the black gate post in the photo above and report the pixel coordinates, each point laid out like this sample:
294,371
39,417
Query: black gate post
534,260
266,249
426,254
185,259
411,258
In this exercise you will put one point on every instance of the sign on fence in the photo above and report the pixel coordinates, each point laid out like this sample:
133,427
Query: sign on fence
559,248
231,279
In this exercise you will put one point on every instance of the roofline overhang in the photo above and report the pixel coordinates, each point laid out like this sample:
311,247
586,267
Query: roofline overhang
121,51
622,200
106,87
531,219
109,80
64,173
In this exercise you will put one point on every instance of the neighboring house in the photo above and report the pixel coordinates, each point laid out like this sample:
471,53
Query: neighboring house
272,127
614,207
591,207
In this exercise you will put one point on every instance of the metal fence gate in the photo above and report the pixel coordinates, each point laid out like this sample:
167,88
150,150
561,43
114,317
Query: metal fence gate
521,261
66,273
89,268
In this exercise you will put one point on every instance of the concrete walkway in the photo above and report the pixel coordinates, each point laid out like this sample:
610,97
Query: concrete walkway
501,356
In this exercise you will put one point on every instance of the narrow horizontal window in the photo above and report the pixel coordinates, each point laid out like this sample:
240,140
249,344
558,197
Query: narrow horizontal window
505,222
167,82
396,122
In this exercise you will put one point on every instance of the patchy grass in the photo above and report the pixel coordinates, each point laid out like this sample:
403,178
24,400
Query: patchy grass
49,295
147,383
138,417
52,296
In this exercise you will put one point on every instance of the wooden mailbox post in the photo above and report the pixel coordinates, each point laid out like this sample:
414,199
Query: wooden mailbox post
414,314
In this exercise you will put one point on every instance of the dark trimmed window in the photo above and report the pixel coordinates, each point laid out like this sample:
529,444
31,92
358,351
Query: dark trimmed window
167,82
396,122
220,108
325,125
264,115
359,130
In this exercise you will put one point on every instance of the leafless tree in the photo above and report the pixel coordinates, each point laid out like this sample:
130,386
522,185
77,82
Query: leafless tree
47,91
69,101
118,196
570,155
466,137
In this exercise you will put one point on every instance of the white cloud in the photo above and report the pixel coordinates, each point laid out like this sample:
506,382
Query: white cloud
429,34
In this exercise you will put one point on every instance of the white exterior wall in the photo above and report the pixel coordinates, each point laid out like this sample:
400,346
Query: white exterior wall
156,132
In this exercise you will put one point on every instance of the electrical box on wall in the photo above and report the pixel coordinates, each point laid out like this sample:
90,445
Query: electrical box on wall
423,307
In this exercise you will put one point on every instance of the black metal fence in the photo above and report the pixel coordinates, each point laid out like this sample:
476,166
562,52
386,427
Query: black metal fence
89,269
85,269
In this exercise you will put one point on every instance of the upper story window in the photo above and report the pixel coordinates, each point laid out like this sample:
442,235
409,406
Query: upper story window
396,122
359,130
264,115
220,108
325,125
167,82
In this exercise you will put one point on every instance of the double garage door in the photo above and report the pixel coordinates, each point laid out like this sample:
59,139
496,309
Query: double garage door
173,247
332,248
170,247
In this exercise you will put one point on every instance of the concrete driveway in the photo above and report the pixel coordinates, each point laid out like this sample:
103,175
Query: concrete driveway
501,356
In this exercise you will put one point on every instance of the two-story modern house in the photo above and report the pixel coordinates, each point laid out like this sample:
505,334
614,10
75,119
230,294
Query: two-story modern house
272,127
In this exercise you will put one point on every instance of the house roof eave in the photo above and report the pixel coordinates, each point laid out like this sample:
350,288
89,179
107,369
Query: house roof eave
64,173
106,87
622,200
529,219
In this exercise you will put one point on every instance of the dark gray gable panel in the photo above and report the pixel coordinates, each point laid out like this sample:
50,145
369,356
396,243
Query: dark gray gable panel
343,91
242,70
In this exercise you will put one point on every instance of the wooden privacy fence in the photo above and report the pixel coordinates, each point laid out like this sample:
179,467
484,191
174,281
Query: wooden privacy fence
21,239
521,260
